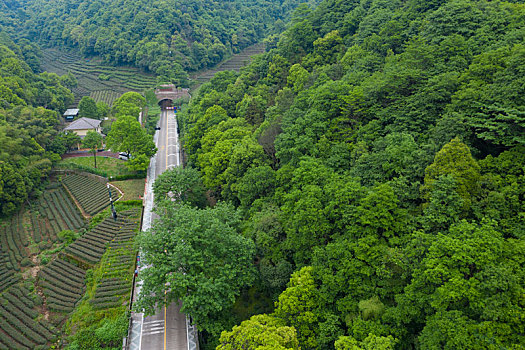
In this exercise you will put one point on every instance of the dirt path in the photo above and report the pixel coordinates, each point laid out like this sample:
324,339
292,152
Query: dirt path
118,189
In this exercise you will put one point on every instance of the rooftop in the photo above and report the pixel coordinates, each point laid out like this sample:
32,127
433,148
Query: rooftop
83,123
71,111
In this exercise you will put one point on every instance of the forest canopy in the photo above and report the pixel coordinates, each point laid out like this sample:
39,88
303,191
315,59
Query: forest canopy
30,108
168,38
376,153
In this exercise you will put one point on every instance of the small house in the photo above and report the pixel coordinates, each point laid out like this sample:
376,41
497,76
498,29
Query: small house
71,114
82,125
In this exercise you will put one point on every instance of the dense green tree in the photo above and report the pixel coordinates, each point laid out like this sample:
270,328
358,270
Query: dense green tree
30,106
297,304
168,38
87,107
102,109
180,184
217,149
13,189
252,109
455,159
197,256
128,136
411,237
258,333
372,342
465,288
130,103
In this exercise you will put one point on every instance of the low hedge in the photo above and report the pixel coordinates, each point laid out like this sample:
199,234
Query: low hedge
83,168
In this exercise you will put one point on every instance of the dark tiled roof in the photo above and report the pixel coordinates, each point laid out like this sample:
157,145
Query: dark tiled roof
83,123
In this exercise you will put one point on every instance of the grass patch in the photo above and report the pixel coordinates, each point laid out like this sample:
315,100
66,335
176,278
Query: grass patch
107,165
133,189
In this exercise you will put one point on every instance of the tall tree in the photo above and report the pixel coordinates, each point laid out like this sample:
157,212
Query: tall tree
260,332
87,107
454,159
130,103
93,141
197,256
180,184
128,136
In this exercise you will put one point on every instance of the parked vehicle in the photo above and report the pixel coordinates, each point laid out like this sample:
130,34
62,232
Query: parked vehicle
123,156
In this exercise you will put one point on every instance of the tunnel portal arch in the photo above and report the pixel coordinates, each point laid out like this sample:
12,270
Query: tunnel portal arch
167,94
166,102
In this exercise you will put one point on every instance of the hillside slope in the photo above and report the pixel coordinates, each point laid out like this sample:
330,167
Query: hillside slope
167,38
376,154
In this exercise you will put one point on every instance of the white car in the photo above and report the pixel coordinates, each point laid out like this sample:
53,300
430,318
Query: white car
123,156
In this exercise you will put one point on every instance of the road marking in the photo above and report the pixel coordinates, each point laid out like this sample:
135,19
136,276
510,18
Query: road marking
154,329
154,321
141,331
153,326
165,325
152,333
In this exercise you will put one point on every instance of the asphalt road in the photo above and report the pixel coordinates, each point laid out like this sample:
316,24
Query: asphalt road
168,154
167,328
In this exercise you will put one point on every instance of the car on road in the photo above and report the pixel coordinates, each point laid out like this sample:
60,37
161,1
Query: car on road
124,156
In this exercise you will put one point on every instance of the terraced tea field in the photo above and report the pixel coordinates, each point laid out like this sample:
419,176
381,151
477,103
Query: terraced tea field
89,248
33,229
14,242
55,212
63,285
91,194
116,267
20,326
106,96
63,280
102,81
41,282
236,62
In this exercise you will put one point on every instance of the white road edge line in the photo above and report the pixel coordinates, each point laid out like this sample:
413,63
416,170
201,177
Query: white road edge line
141,331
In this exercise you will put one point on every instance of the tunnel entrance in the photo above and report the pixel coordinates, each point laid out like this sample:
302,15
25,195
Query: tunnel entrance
166,103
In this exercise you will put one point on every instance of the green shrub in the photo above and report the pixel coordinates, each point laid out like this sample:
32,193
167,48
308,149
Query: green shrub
44,260
67,236
37,299
124,205
104,77
25,262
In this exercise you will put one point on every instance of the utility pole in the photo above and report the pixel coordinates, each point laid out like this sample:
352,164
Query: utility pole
113,211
